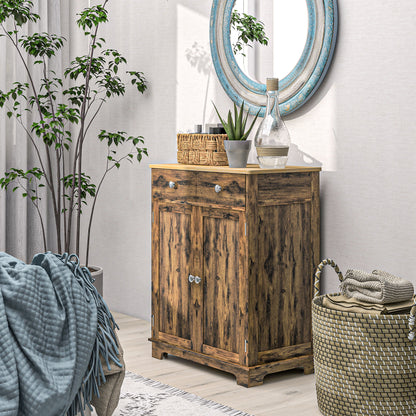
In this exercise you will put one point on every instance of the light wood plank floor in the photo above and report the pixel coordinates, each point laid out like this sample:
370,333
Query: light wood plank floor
289,393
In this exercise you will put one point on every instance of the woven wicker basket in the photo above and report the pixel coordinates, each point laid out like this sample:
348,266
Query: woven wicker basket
364,364
202,149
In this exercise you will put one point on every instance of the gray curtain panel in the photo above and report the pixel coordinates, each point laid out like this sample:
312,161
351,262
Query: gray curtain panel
20,231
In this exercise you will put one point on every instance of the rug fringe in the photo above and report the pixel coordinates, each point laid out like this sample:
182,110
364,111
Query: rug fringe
188,396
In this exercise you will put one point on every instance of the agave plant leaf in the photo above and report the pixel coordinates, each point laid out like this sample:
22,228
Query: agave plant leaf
230,123
227,127
222,121
239,122
238,131
245,122
252,125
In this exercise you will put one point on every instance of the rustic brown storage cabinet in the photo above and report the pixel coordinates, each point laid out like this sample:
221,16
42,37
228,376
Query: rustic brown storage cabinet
233,256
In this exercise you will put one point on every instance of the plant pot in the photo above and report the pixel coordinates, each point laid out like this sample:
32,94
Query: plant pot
97,274
237,152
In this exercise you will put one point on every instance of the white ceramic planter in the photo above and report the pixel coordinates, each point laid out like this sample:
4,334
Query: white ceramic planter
237,152
98,274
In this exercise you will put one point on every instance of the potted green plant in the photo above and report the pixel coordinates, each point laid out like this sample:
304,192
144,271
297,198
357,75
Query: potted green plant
62,108
237,146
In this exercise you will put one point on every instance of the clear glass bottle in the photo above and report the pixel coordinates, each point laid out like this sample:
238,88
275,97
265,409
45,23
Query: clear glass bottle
272,139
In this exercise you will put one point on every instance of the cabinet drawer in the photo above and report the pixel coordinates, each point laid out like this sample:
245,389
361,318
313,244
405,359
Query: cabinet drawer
173,185
221,189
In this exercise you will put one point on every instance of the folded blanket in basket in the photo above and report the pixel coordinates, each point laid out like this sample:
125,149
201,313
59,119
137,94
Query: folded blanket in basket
345,304
377,287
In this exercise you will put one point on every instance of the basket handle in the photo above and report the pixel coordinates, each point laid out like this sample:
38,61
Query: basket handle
317,282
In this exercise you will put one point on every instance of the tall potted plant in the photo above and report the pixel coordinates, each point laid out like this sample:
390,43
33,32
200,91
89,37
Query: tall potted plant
237,146
63,108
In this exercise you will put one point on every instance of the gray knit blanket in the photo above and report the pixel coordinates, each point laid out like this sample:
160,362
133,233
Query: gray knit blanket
376,287
53,328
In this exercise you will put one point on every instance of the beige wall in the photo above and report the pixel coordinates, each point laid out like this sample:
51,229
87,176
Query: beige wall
359,126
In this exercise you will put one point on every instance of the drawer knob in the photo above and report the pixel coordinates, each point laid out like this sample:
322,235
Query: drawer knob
195,279
172,185
218,189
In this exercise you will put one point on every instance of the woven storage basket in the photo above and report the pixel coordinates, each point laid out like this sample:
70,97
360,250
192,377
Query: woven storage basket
202,149
364,364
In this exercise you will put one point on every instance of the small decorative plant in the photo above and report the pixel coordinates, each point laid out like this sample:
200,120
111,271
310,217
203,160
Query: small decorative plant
63,109
249,29
236,129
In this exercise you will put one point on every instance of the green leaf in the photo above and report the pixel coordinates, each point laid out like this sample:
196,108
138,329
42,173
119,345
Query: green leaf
252,125
232,130
222,121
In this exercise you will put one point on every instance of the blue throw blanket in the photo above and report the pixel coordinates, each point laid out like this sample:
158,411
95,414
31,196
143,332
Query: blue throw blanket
53,328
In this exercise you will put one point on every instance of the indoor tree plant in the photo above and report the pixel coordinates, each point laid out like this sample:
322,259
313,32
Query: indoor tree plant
237,146
62,109
248,29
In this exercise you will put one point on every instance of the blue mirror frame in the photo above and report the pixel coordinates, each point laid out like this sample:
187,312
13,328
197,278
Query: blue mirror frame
305,78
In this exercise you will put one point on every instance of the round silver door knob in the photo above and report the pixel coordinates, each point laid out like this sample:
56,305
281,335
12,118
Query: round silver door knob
218,189
172,185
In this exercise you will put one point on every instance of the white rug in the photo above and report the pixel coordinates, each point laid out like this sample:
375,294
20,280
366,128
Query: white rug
142,396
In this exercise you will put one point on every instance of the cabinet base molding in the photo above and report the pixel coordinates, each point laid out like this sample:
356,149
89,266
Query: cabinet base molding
246,376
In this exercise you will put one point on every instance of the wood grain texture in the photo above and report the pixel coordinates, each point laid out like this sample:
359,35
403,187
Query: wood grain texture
315,226
155,319
221,278
197,290
285,352
249,170
251,310
232,194
171,339
249,285
221,354
284,275
284,189
284,393
246,376
185,185
174,263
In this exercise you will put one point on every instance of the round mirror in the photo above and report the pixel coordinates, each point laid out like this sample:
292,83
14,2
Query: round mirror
279,56
301,40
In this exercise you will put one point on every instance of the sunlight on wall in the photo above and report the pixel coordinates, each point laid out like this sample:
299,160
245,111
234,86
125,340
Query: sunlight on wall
193,68
314,138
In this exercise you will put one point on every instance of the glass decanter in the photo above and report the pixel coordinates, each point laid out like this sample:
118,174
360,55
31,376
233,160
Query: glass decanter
272,139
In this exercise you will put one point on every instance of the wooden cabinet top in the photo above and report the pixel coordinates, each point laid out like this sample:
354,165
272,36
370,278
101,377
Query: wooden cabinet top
249,170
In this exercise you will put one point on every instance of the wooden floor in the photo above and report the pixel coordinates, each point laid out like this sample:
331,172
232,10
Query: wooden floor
289,393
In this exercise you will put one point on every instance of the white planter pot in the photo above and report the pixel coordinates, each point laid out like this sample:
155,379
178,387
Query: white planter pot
237,152
97,274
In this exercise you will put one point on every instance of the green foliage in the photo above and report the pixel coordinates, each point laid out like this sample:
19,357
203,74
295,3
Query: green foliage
249,30
63,108
42,44
18,10
236,129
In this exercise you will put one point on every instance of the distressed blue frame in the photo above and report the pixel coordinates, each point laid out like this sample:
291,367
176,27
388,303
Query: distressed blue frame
236,83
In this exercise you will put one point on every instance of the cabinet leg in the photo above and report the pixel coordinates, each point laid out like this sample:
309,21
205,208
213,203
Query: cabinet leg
158,353
308,368
246,380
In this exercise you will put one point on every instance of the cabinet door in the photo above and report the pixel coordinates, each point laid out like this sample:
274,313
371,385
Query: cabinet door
171,268
223,247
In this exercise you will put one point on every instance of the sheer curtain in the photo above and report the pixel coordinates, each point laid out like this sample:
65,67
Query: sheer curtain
20,231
